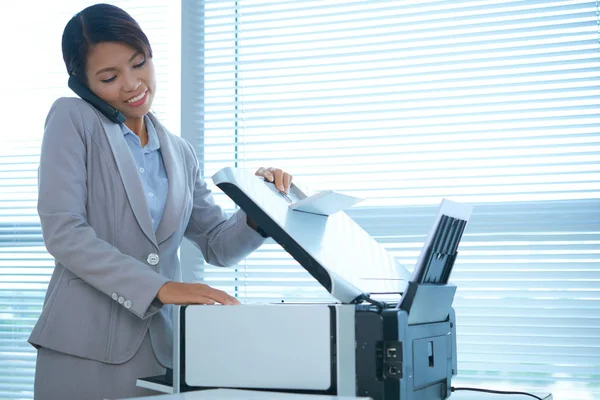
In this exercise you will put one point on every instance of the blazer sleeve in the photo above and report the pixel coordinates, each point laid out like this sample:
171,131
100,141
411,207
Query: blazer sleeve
223,241
62,209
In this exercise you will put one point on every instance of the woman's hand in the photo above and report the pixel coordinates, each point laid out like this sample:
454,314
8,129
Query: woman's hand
282,180
193,293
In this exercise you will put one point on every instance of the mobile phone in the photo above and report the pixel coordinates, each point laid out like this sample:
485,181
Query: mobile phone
86,94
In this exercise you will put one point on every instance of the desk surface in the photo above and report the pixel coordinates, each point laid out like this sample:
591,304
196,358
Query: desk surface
229,394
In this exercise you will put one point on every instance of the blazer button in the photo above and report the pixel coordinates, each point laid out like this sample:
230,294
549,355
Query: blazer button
121,299
115,296
127,304
153,259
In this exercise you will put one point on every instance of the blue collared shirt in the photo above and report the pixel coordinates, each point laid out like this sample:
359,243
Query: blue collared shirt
151,169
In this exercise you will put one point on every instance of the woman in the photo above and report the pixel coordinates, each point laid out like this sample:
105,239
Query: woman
115,201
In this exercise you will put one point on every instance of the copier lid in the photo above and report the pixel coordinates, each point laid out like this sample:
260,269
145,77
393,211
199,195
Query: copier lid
334,249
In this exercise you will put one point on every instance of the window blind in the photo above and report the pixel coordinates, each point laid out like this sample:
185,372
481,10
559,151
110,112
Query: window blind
493,103
34,77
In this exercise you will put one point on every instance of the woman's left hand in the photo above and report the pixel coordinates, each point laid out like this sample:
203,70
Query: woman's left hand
282,180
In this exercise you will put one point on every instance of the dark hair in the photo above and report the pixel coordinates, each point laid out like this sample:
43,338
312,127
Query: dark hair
96,24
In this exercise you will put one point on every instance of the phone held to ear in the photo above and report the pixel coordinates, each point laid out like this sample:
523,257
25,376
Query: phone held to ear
86,94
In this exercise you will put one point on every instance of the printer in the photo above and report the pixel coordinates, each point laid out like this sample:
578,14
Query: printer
386,334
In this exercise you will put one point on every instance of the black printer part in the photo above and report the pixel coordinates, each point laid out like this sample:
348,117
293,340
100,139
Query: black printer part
442,251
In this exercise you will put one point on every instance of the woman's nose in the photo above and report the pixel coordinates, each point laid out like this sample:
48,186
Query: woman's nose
131,83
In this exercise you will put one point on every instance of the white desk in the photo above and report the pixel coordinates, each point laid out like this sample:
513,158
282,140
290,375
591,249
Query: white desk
229,394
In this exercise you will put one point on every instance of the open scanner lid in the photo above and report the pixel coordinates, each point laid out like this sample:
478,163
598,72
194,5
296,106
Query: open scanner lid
334,249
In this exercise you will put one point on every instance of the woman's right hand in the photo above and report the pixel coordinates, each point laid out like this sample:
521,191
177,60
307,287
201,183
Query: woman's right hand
193,293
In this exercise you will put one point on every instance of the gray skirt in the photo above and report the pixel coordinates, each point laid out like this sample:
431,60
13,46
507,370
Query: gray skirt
65,377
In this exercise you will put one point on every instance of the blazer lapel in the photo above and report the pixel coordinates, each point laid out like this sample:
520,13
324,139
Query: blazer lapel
173,160
130,178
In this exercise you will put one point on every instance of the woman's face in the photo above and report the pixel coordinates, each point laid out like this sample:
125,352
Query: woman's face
123,77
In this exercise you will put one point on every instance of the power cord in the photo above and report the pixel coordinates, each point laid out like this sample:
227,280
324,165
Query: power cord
454,389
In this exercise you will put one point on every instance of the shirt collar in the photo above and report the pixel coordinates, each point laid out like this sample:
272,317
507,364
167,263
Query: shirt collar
153,142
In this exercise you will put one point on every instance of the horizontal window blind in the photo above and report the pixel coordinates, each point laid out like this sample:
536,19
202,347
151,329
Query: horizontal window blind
492,103
34,77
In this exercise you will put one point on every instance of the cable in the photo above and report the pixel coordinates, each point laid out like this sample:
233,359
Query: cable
453,389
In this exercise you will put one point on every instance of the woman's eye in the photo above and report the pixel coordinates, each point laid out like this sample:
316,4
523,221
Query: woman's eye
109,79
140,65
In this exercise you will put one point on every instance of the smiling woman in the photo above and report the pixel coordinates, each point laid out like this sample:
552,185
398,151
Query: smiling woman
106,50
128,84
29,90
116,197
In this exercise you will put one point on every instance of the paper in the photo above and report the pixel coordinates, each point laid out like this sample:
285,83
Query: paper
325,203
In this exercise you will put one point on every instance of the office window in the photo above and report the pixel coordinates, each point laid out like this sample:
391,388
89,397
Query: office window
33,76
403,103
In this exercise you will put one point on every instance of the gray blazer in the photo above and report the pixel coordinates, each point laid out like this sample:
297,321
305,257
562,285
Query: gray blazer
110,263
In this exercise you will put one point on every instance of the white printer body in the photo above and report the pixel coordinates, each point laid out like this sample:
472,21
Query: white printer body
386,335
